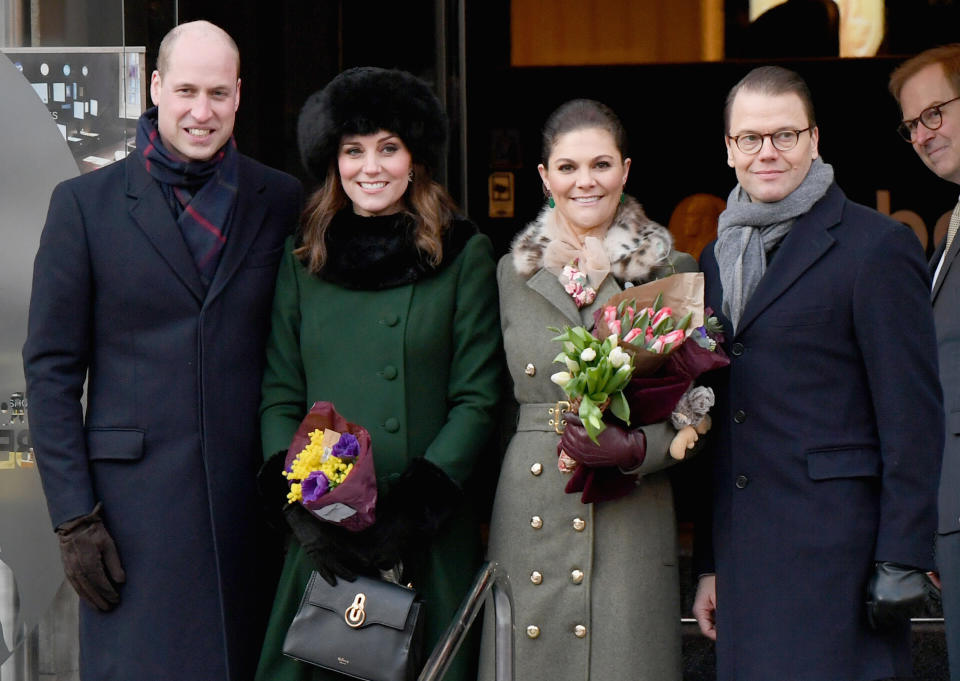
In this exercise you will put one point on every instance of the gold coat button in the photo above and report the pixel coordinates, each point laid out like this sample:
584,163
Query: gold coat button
576,576
536,577
530,370
533,631
536,468
536,522
579,524
579,631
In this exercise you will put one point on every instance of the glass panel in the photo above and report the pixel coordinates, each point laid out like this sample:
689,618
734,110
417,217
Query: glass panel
94,95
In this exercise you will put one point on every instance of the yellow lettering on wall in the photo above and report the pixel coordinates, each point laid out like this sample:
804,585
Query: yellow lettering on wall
883,201
907,217
914,222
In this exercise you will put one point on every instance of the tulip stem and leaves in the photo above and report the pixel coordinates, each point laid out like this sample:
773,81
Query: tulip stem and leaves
596,373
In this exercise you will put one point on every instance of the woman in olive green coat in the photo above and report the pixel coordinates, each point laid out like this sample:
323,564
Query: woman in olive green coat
385,306
595,586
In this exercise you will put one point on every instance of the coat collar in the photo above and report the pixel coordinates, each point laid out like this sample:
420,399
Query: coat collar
249,216
547,285
152,215
635,244
809,239
379,252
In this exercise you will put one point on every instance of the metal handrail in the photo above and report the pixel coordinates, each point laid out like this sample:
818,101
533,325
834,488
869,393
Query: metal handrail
490,580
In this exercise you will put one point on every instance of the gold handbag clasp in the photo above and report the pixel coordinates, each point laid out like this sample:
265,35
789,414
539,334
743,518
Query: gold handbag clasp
355,615
556,411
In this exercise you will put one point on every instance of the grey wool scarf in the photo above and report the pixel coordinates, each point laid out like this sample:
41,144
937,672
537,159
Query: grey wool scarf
748,230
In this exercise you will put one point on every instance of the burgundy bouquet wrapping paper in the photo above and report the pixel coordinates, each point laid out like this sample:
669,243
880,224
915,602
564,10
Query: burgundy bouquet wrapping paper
352,503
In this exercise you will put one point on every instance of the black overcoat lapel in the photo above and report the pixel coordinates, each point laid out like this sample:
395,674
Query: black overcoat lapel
150,212
808,241
248,217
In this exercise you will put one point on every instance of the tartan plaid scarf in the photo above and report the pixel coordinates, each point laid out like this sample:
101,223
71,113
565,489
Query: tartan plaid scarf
201,194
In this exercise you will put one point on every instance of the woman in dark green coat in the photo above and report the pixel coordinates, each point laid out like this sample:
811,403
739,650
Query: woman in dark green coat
386,306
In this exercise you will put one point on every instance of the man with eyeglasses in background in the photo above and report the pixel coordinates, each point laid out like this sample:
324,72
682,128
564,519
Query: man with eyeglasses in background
827,429
927,88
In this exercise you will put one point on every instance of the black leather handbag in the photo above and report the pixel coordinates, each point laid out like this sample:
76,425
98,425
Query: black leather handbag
368,629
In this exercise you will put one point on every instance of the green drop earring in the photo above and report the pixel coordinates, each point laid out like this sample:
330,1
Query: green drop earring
549,195
623,198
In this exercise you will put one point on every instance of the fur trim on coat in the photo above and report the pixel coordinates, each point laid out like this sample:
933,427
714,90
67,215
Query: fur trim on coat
635,244
378,252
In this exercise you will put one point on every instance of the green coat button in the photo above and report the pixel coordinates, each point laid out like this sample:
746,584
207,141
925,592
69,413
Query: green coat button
391,425
389,372
390,320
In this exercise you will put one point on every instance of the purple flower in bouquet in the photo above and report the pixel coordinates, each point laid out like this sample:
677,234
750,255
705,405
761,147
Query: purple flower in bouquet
338,484
347,447
315,486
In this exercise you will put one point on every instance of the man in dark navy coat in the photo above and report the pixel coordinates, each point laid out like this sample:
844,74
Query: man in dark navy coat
153,283
928,90
827,437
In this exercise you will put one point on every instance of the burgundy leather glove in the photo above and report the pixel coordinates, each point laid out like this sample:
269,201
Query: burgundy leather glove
90,560
617,446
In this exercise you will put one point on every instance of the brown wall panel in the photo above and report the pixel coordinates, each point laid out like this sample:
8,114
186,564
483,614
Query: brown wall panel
561,33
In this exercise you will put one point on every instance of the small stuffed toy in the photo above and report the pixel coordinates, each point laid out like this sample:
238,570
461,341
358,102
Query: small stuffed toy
691,419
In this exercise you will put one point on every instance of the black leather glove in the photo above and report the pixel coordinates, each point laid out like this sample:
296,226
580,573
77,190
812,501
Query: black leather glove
273,488
896,593
329,547
617,446
410,515
90,560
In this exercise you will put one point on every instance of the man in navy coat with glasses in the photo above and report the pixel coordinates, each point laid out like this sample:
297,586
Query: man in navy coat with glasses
827,430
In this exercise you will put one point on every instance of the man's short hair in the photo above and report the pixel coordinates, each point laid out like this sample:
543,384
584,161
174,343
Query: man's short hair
948,56
166,45
771,80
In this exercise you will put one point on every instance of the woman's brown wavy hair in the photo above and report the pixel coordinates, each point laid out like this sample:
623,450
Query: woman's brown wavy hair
427,202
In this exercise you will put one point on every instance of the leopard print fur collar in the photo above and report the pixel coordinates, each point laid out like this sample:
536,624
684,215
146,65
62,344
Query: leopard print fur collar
635,244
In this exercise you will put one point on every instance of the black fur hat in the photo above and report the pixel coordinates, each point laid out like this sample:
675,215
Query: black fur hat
363,100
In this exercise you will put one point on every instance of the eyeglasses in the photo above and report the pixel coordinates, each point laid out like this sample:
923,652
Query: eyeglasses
931,117
782,140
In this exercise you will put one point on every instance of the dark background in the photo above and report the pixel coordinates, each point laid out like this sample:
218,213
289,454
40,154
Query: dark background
672,112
